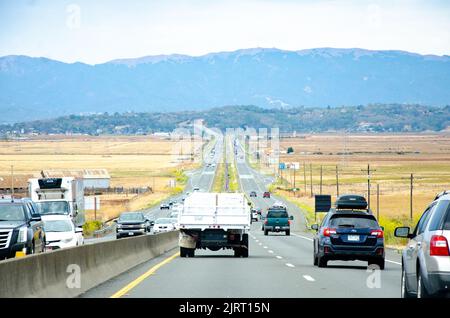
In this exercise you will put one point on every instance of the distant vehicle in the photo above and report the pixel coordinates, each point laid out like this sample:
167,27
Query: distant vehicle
277,219
196,189
254,215
59,196
213,165
426,258
266,194
258,210
163,225
61,232
253,194
214,221
132,224
171,203
164,206
349,232
21,228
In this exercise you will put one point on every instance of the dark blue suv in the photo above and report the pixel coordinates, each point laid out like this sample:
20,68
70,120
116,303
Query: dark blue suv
349,232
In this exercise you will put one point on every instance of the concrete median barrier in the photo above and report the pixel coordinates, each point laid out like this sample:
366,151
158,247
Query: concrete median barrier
71,272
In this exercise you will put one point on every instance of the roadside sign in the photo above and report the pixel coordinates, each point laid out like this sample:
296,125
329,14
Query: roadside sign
90,203
282,166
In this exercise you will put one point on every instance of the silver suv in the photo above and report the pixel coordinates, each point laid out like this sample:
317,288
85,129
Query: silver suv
426,258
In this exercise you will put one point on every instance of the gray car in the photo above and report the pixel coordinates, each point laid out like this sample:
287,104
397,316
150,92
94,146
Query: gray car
426,257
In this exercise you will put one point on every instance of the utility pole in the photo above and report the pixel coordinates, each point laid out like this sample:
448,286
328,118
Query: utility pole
368,184
378,201
411,197
337,181
321,179
310,178
12,182
304,175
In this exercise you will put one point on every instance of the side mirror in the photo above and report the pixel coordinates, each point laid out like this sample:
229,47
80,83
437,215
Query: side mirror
291,217
402,231
152,223
78,230
382,228
36,218
315,227
115,221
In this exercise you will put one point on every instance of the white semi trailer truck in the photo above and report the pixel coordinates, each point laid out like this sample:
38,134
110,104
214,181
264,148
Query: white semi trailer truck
214,221
59,196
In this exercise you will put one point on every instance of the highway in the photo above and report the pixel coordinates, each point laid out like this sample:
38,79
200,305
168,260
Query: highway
277,266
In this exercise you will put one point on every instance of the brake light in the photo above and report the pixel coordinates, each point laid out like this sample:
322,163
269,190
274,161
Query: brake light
265,222
377,233
328,231
289,222
439,246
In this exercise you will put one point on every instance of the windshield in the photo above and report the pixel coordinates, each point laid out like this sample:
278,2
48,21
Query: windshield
53,207
277,214
163,221
58,226
132,217
353,222
11,212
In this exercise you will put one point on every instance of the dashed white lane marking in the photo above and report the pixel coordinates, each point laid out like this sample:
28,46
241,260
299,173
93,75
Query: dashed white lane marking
260,244
270,251
309,278
289,265
303,237
279,257
393,262
264,246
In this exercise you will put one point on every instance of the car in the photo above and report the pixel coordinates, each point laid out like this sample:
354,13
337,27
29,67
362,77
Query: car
266,194
132,224
349,231
426,257
164,225
253,194
21,228
196,189
61,232
254,215
164,206
277,219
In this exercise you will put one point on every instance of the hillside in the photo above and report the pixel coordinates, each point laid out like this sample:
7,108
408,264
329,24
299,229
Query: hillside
37,88
371,118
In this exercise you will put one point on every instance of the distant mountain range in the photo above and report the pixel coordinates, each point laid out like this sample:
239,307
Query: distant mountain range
371,118
36,88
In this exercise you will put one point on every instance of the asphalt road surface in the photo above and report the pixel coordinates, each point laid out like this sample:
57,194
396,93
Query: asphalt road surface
277,266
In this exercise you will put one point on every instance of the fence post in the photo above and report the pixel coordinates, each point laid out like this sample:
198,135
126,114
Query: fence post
411,197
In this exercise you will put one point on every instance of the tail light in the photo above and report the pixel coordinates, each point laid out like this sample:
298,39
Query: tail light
289,222
265,222
439,246
377,233
328,231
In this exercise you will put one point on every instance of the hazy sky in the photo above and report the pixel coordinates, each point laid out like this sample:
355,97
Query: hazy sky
96,31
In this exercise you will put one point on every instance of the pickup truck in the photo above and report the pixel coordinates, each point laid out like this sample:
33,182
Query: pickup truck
21,228
214,221
277,220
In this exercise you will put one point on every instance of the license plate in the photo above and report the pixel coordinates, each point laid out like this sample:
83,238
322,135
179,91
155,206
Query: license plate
130,233
353,238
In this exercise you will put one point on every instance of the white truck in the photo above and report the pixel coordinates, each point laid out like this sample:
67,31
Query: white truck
214,221
54,196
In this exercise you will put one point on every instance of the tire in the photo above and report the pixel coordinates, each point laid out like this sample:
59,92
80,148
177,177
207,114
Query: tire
322,261
404,288
266,232
378,262
237,252
191,252
183,252
421,289
288,232
244,250
315,261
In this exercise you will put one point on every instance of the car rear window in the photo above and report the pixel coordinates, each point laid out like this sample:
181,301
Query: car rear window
441,216
277,214
446,225
359,221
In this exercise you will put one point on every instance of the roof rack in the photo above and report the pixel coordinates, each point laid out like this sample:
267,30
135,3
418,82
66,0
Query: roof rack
445,192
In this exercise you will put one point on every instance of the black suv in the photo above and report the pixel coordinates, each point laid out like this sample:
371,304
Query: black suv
349,232
21,228
131,224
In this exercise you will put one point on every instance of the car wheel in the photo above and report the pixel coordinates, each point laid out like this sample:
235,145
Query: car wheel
322,261
421,290
191,252
377,262
266,232
288,232
237,252
404,289
183,252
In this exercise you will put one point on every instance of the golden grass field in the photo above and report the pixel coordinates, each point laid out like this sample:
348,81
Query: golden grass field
140,161
392,157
